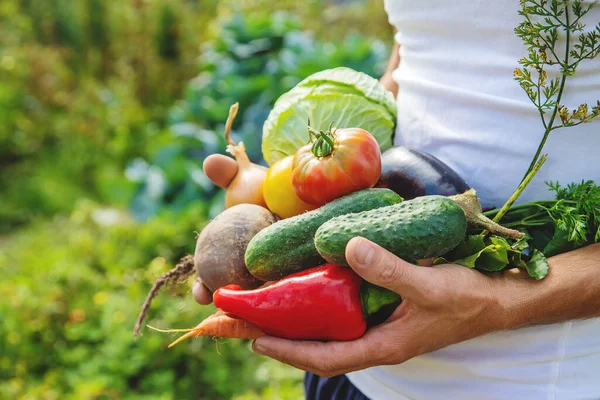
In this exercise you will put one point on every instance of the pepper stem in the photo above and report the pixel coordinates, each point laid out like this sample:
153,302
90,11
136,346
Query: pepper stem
470,204
373,298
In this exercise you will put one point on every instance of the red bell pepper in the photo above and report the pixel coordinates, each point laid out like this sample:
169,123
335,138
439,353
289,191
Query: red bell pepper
329,302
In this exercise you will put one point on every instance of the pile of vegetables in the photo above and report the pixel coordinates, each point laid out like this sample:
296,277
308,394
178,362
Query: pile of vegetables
275,258
350,99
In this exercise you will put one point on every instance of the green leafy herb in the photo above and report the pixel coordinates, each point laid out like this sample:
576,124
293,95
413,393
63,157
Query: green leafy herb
586,199
573,218
556,226
544,22
495,253
466,253
537,266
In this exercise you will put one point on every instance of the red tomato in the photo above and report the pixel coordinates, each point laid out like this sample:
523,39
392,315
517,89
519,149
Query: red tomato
335,164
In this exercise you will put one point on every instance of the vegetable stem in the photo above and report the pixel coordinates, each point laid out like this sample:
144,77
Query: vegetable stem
526,206
373,298
520,188
563,80
324,141
470,204
523,223
233,110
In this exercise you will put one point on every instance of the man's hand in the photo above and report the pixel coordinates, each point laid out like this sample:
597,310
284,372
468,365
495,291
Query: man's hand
441,306
201,293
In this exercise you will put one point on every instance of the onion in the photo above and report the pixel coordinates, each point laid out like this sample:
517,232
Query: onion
247,185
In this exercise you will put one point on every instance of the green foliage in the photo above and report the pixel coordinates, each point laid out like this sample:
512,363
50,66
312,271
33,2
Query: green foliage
585,198
552,227
329,20
167,36
569,222
251,60
84,87
71,302
544,23
556,43
494,253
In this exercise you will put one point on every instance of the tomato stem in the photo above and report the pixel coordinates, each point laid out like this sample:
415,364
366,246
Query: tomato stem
314,147
324,142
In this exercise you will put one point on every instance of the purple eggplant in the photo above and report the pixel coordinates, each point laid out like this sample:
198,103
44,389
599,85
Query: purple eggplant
412,173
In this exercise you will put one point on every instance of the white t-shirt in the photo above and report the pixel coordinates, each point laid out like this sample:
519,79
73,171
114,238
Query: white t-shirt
458,101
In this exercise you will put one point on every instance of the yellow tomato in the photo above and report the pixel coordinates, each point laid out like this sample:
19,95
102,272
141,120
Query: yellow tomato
279,193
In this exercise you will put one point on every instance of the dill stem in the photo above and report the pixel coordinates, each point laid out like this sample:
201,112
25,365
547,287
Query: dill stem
563,80
520,188
521,224
521,206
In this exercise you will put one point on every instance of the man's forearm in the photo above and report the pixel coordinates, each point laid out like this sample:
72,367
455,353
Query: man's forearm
393,63
570,291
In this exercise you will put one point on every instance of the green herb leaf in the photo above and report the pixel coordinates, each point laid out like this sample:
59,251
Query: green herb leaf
537,266
496,253
472,244
465,254
516,259
477,251
493,258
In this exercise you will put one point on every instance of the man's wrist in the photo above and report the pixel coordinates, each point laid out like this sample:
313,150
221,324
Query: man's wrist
570,291
514,293
505,301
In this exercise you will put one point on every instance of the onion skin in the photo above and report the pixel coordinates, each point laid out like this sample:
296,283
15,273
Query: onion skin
247,185
412,173
220,169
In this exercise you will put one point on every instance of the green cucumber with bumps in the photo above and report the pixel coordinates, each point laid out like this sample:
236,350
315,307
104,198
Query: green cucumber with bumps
288,246
424,227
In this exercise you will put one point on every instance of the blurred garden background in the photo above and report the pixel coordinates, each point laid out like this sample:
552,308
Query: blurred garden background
107,110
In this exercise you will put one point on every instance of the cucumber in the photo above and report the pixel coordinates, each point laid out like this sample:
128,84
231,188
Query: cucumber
424,227
288,245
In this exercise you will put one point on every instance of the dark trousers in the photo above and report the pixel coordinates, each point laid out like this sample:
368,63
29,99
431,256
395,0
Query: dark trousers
334,388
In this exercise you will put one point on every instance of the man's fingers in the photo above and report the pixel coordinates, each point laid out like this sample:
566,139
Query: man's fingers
201,293
326,359
382,268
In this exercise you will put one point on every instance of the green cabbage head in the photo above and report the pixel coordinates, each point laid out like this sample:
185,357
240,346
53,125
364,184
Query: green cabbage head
348,98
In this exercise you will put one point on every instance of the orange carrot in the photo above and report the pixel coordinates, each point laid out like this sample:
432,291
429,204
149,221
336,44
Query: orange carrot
218,325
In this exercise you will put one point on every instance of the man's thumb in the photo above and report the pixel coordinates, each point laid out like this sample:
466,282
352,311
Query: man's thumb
380,267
